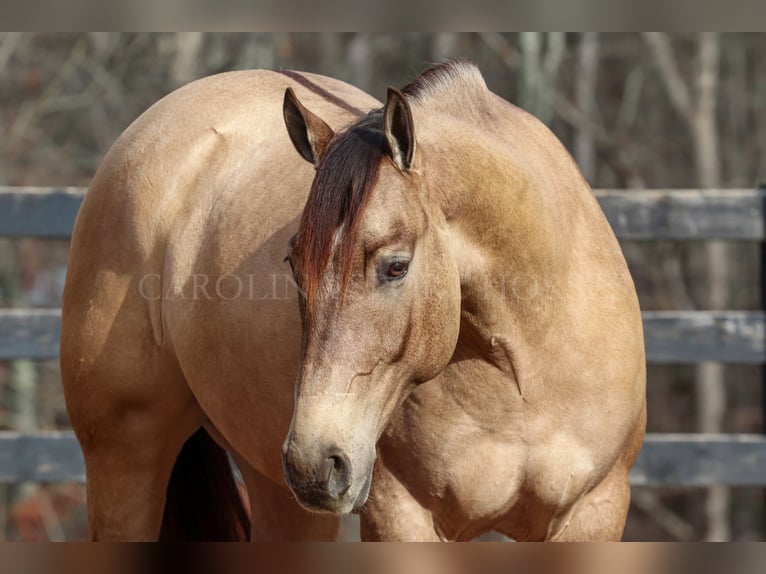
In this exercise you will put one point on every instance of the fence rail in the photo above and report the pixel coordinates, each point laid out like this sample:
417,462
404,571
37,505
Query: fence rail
638,215
671,336
687,214
665,460
47,212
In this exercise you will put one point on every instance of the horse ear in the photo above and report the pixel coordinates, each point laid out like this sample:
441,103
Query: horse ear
308,132
399,129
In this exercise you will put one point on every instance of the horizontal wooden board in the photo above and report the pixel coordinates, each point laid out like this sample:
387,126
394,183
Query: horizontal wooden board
29,333
40,457
665,460
39,212
701,460
733,214
694,336
671,336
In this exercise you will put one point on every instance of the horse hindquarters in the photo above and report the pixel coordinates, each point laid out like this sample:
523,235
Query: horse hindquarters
126,396
133,414
129,450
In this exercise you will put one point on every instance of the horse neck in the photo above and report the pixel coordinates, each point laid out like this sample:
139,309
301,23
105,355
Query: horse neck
533,250
502,228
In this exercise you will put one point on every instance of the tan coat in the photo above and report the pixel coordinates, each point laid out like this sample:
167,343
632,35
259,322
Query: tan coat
505,380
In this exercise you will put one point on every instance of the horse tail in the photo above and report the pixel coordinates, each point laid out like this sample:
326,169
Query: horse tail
203,502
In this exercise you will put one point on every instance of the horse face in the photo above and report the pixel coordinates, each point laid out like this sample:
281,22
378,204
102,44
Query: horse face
379,323
396,326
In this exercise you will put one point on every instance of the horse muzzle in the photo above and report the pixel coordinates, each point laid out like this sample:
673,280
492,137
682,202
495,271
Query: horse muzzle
324,479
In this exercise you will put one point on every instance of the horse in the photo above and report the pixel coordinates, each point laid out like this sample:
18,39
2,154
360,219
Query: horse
429,305
473,349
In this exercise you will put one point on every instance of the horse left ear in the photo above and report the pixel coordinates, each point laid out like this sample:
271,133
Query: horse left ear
308,132
399,129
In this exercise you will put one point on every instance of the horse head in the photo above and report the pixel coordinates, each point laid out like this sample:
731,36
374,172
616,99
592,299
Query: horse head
381,296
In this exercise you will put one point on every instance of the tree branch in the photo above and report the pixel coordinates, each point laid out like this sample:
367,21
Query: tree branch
8,46
609,147
707,78
668,520
705,128
500,45
585,97
666,62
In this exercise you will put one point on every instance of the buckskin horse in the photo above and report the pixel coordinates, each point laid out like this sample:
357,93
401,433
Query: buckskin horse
437,277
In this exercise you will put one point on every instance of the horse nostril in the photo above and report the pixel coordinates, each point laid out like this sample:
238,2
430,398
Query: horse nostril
338,474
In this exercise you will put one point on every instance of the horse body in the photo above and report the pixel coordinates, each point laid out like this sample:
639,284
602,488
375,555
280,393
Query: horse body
502,380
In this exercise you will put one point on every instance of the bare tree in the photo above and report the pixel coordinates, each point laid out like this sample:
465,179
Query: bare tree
696,103
9,41
331,53
585,99
445,45
581,114
186,63
737,146
542,55
502,48
360,53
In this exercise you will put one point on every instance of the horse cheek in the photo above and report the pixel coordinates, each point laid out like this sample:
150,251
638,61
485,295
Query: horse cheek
441,319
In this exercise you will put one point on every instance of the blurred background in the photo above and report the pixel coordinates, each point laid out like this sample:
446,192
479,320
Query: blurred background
635,110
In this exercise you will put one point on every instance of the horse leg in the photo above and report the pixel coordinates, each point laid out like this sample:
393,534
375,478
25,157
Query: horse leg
128,467
392,514
131,419
600,515
275,515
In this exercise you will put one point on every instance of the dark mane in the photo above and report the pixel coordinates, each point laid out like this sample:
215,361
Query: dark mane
345,177
445,76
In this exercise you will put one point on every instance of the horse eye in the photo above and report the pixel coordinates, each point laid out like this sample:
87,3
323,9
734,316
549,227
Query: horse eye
397,269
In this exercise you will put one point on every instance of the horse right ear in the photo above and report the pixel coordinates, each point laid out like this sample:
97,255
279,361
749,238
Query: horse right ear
308,132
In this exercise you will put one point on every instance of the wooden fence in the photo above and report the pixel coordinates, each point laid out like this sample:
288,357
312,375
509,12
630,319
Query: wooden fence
671,336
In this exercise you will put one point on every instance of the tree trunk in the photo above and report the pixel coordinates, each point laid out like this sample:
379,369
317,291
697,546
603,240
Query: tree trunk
540,71
585,99
531,69
738,143
186,63
698,108
331,54
445,45
711,394
360,60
